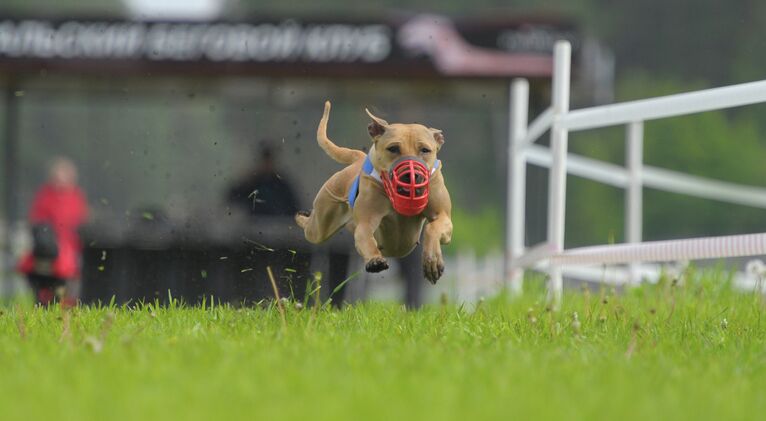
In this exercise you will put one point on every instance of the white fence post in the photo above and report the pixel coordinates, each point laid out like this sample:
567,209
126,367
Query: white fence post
634,197
517,171
558,170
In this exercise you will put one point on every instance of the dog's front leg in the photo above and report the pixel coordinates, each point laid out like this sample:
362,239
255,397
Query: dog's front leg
438,231
371,207
364,238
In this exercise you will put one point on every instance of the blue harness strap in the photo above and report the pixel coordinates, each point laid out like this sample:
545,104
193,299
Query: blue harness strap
367,168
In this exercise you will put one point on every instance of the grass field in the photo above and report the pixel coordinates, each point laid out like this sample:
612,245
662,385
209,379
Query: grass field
695,350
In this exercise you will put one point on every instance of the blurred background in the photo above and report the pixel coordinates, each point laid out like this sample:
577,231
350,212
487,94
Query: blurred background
167,107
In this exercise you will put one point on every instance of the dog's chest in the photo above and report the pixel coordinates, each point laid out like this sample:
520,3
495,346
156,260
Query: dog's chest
398,235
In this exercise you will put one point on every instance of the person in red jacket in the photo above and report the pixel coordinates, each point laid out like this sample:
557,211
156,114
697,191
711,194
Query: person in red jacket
58,210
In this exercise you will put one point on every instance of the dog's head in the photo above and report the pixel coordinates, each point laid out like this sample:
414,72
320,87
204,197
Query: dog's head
394,141
404,155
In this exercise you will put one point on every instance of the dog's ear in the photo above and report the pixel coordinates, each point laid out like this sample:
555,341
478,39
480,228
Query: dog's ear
377,127
438,136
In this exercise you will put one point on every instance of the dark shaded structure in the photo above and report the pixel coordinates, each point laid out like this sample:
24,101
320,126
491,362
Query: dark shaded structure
154,259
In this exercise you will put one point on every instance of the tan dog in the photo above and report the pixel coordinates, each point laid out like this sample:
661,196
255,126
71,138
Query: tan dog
379,230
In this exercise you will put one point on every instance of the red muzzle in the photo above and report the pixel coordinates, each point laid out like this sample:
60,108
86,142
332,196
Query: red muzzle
407,185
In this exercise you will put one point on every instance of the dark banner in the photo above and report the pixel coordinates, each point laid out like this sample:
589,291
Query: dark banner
423,45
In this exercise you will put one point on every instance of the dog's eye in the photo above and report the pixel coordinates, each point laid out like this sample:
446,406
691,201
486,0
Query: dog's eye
425,150
393,149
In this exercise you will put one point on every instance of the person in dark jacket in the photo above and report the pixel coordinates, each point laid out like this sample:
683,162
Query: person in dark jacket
52,267
264,191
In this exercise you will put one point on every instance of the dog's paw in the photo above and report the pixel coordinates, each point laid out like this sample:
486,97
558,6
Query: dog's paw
376,264
433,268
301,218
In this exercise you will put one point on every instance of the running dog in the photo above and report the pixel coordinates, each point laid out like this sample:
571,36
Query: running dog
386,197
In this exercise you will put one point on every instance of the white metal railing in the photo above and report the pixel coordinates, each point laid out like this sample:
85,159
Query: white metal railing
633,177
665,106
656,178
536,129
666,251
474,277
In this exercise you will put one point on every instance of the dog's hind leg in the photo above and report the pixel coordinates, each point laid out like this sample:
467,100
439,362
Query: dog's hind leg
302,218
328,216
331,210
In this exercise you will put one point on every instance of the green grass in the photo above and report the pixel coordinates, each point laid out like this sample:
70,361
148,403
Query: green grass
691,351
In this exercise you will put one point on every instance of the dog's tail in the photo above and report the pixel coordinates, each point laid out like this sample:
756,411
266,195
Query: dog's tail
339,154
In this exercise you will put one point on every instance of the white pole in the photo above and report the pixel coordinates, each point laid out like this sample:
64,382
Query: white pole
558,173
633,199
517,172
